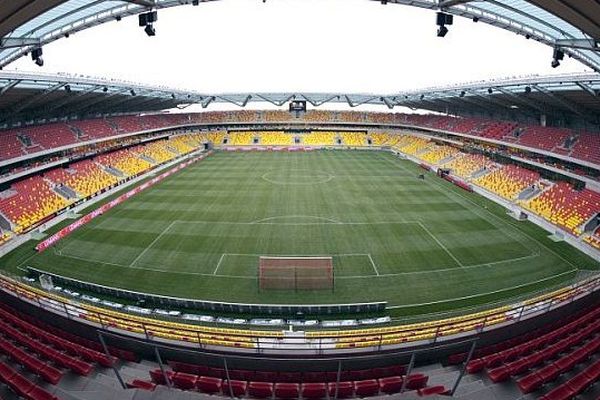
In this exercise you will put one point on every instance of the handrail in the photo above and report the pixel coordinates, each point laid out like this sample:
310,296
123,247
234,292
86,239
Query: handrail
319,341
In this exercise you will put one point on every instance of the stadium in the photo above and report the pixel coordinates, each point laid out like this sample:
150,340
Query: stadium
171,243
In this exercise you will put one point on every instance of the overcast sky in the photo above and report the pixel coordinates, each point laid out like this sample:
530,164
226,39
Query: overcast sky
298,45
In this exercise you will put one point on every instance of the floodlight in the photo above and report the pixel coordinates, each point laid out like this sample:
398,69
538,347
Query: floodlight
36,56
150,31
442,31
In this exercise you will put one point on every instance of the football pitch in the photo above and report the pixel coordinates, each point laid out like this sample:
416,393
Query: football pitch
420,245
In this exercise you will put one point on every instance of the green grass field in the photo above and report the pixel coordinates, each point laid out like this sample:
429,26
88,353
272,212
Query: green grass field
392,236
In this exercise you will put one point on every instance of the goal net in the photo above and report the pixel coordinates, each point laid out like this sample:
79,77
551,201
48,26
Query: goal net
295,273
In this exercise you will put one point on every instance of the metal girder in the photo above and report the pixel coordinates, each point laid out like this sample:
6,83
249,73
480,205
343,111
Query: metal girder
562,101
9,86
594,93
207,101
69,99
451,3
316,103
522,100
99,100
237,103
275,102
496,101
7,43
584,44
145,3
36,97
360,102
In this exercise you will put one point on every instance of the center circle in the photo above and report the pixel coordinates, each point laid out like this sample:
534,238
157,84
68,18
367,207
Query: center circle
297,177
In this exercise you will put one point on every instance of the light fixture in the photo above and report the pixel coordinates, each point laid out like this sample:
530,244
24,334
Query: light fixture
36,56
557,56
443,19
146,20
150,31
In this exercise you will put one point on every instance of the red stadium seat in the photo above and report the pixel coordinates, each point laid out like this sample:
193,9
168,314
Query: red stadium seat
416,381
209,384
260,390
140,384
287,390
366,388
184,381
428,391
237,388
314,391
344,390
391,384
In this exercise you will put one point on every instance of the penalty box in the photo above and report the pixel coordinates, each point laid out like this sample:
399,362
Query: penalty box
248,265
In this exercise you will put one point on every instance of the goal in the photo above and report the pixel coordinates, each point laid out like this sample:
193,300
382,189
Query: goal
295,273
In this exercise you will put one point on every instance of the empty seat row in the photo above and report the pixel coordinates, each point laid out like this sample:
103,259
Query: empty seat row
293,390
553,370
22,386
575,385
294,377
29,330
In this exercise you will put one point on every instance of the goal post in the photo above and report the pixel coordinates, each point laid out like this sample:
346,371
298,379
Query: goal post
295,273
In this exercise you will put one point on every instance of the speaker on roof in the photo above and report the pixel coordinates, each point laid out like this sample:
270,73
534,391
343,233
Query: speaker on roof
147,18
444,19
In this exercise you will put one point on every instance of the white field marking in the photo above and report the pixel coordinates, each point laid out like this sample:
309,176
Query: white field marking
441,244
484,294
219,264
329,220
333,222
432,271
152,244
157,269
497,218
373,264
512,227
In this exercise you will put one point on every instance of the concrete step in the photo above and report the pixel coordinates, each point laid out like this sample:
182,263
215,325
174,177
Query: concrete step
470,387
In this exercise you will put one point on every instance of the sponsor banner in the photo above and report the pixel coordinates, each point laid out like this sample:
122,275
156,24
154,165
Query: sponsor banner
43,245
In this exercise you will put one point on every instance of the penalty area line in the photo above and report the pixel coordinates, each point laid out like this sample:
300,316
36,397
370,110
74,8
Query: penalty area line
219,264
152,244
373,264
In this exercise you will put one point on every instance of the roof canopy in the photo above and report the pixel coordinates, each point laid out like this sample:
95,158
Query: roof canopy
29,97
573,25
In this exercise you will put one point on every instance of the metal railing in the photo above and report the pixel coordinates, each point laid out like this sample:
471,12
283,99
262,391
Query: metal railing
244,339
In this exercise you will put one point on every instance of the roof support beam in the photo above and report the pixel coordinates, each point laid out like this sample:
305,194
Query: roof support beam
591,91
451,3
317,103
237,103
9,86
36,97
72,98
584,44
557,98
145,3
276,102
7,43
522,100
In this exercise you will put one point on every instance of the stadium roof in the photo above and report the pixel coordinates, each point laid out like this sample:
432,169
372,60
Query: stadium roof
573,25
30,97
